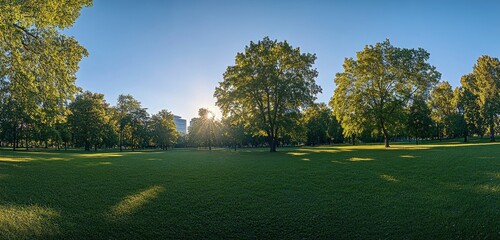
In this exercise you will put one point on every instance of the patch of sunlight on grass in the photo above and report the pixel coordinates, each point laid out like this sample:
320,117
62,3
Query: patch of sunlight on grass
389,178
323,150
461,144
26,222
407,156
357,159
132,203
489,188
99,155
16,159
296,153
339,162
58,159
409,147
305,159
105,163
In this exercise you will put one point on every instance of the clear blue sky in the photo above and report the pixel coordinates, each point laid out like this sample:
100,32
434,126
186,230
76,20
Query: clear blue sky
172,54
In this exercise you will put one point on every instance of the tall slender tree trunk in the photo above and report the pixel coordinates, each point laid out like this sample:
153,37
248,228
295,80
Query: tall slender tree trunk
492,131
121,140
386,134
14,138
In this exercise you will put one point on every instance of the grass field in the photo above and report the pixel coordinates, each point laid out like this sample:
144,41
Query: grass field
433,191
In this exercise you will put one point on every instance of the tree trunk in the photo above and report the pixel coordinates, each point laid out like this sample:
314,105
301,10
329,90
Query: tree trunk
14,140
272,142
492,131
121,140
95,147
386,135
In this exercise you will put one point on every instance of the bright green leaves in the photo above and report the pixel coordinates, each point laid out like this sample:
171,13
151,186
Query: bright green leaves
163,129
375,88
269,81
38,63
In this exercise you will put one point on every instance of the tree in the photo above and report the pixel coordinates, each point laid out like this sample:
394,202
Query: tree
125,107
163,129
203,129
233,131
139,119
320,124
37,62
487,77
419,119
269,80
469,103
375,88
88,118
442,109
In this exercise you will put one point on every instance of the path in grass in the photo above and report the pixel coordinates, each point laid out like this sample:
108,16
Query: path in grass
436,191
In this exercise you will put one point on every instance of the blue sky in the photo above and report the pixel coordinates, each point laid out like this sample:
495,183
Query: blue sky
172,54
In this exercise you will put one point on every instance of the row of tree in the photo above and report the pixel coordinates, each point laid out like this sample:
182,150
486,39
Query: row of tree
385,92
266,97
90,122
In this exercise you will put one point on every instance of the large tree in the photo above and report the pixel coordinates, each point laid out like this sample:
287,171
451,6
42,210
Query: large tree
269,81
321,125
487,77
469,103
204,129
375,88
442,109
125,108
88,119
37,61
419,119
163,128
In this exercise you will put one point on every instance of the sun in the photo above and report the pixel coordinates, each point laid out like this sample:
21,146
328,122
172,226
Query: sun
210,115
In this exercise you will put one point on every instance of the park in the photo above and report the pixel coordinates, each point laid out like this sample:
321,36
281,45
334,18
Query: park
211,120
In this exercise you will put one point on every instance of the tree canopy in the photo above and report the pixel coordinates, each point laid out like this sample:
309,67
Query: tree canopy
486,74
269,81
376,87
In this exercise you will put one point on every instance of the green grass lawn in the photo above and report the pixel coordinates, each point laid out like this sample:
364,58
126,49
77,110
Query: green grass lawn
433,191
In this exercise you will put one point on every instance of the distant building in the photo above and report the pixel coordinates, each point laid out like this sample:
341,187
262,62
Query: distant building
180,124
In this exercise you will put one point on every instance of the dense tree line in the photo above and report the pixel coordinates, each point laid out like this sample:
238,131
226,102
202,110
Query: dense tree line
267,97
384,93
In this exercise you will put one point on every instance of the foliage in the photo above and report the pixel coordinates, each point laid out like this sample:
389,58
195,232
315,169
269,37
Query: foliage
321,125
204,130
269,80
469,104
487,81
442,108
375,88
419,119
164,132
37,62
88,119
